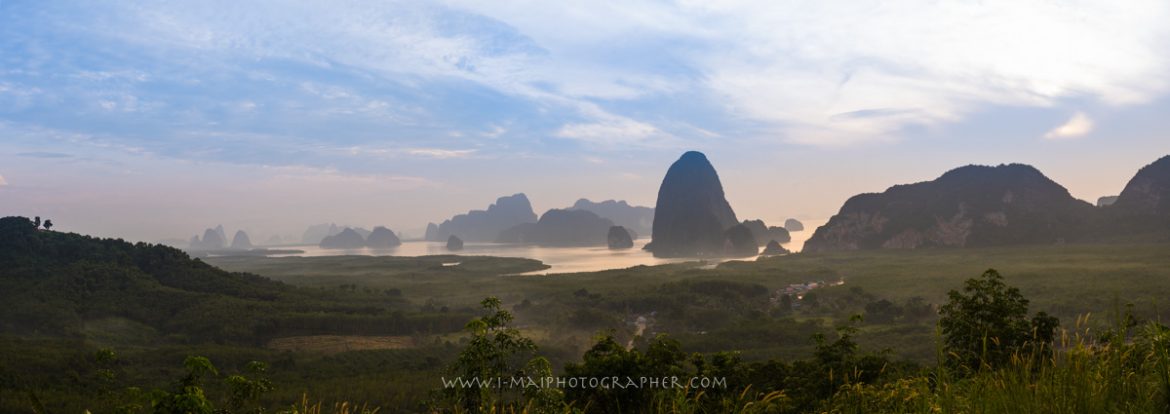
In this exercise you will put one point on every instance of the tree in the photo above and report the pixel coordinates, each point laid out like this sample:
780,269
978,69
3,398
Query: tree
244,391
988,321
188,396
494,350
835,363
916,308
662,358
882,311
48,224
37,222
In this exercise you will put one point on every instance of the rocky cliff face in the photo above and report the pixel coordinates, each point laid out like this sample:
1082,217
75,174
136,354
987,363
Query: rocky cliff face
793,225
968,206
560,228
382,238
1142,210
1148,192
639,220
691,214
346,239
485,226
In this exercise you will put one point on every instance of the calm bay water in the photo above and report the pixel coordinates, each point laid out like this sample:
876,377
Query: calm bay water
561,259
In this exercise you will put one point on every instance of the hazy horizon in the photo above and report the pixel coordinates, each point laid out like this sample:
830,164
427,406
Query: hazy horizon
156,121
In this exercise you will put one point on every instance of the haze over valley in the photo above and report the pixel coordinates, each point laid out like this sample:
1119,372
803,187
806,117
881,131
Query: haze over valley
359,207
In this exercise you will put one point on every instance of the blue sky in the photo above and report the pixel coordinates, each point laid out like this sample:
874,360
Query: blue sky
149,120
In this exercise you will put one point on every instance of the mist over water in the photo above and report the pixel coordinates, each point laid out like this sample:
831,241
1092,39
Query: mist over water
561,259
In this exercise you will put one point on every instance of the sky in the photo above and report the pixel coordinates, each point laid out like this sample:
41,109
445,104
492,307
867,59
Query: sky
155,120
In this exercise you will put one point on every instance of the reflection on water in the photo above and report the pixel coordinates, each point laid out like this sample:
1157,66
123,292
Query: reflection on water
561,259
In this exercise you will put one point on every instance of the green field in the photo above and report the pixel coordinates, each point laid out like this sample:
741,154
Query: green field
383,330
1067,281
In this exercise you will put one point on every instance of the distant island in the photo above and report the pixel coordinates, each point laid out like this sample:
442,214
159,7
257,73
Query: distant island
382,237
764,233
241,240
318,232
619,238
349,238
638,219
216,239
692,217
454,243
561,228
586,223
485,225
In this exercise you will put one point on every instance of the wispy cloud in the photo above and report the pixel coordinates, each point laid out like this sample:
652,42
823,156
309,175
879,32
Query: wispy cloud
359,93
440,153
1077,126
495,131
605,74
940,61
606,130
614,131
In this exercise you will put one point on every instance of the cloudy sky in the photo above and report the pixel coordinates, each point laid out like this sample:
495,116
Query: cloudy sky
149,120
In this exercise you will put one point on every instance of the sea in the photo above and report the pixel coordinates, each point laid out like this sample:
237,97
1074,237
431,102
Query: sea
560,259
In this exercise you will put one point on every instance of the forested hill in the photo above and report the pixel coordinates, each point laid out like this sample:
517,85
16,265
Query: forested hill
30,254
54,284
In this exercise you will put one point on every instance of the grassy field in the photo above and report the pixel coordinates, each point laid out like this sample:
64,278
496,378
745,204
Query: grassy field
97,324
427,278
736,306
1068,281
1065,280
335,344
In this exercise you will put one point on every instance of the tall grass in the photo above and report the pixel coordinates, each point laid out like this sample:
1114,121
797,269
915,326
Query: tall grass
307,407
1123,370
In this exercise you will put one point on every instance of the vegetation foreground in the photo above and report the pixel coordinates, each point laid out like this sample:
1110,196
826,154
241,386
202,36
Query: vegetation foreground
106,326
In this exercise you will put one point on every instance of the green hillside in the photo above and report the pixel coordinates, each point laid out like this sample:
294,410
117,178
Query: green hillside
62,284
